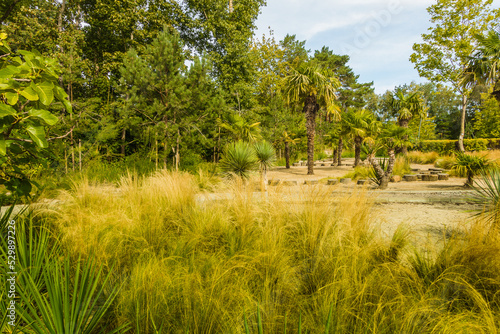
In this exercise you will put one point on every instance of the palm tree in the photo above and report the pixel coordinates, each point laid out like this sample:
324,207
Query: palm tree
360,124
312,86
406,106
241,129
392,138
470,165
484,65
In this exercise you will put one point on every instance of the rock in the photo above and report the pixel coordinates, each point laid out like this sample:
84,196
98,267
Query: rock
430,177
436,169
296,164
443,176
323,165
345,180
410,178
419,176
435,172
332,182
362,182
310,182
395,178
290,183
274,182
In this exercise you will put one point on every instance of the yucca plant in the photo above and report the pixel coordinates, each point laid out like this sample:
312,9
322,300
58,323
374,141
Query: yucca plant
266,156
470,165
238,159
74,301
487,194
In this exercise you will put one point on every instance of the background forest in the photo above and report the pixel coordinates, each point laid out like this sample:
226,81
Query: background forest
165,84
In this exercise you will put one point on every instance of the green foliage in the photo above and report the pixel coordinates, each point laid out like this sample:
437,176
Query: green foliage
238,159
265,155
470,165
28,87
487,119
449,146
422,157
487,194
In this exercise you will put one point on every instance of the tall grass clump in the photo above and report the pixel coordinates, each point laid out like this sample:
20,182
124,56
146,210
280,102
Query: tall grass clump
182,261
422,158
402,166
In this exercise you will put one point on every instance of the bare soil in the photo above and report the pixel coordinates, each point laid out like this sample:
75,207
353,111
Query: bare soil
428,210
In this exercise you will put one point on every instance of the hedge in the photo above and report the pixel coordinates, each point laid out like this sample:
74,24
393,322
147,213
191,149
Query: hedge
449,146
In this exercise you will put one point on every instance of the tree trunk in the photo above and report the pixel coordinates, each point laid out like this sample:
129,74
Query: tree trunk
404,124
335,155
310,109
383,176
177,153
124,132
462,124
287,154
339,152
357,150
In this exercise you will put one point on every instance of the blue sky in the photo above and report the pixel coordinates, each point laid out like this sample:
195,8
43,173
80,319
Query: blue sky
378,35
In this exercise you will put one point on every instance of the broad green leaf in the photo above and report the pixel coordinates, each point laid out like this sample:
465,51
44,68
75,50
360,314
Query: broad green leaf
6,110
29,93
45,92
37,134
3,147
11,98
9,71
3,35
45,115
62,96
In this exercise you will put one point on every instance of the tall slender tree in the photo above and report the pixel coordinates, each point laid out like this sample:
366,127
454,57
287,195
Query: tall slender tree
312,86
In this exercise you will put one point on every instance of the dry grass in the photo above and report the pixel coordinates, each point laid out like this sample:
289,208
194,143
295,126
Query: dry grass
203,265
422,158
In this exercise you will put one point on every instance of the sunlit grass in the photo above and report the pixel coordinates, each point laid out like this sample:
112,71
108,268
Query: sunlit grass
186,261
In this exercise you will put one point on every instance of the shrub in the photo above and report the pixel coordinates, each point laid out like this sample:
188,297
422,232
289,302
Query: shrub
445,162
449,146
422,157
471,165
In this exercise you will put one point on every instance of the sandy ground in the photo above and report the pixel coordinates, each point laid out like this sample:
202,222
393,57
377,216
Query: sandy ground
430,211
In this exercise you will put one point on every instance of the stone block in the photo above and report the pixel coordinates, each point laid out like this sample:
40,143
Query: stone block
290,183
410,178
430,177
310,182
274,182
345,180
332,182
443,176
362,182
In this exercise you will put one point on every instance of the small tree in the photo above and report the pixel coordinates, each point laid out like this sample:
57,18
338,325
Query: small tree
266,156
470,165
238,159
391,138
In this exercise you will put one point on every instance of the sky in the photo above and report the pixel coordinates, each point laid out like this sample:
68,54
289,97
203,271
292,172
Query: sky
378,35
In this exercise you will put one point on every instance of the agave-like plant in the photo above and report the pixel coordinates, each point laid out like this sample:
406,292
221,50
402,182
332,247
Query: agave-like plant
74,301
238,159
470,165
487,194
266,156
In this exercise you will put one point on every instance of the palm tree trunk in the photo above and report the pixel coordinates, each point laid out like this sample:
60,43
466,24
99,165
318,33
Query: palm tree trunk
287,154
310,109
339,152
404,124
462,123
335,154
357,150
384,176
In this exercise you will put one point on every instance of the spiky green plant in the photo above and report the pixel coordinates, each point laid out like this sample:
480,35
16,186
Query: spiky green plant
487,194
266,157
470,165
75,300
238,159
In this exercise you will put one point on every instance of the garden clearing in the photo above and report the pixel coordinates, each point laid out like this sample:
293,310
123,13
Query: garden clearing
429,210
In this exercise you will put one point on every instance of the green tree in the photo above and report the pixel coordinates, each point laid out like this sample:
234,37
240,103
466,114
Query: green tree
28,90
312,86
447,48
487,119
405,107
361,125
165,101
